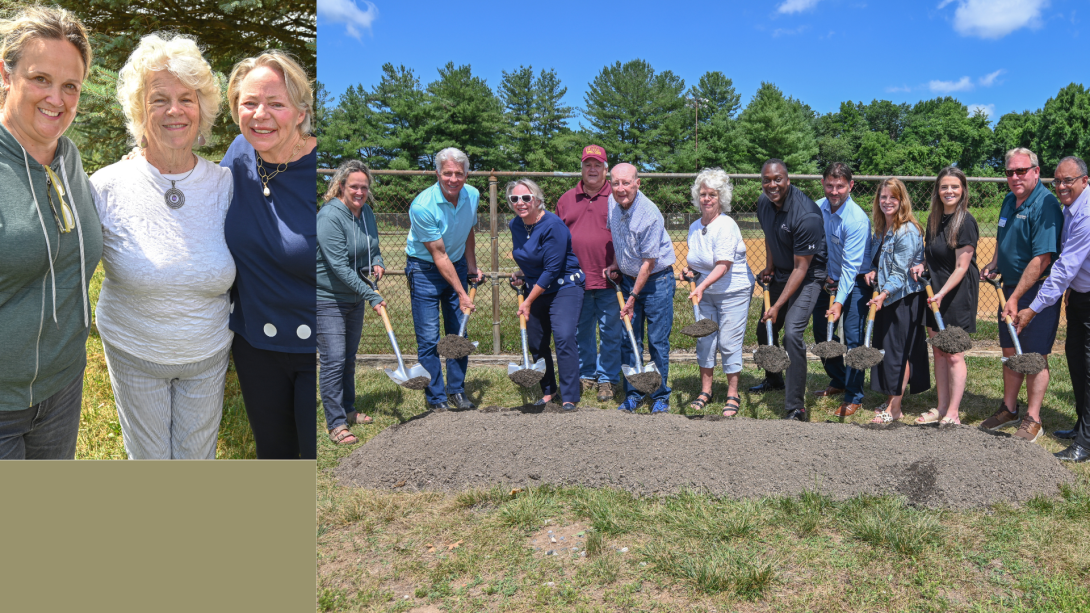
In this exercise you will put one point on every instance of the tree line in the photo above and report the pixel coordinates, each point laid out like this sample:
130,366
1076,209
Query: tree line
652,119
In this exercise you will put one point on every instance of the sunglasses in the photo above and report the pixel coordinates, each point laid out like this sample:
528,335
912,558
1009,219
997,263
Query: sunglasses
1021,172
62,213
527,198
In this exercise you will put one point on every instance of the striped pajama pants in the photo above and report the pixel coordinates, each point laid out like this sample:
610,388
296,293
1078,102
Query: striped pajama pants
168,411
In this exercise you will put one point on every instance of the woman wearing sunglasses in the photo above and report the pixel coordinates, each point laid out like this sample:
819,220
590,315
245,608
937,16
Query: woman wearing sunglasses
542,250
163,310
50,240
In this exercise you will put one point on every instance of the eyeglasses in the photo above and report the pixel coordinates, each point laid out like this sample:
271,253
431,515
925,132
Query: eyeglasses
1021,172
527,198
1068,181
62,213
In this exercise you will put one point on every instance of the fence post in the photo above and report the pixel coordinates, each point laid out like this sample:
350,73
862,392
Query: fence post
493,215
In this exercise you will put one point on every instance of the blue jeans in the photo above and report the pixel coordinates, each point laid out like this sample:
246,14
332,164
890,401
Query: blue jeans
600,362
431,294
340,325
854,314
45,431
655,306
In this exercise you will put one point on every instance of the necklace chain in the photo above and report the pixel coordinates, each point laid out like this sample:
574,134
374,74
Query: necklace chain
281,167
174,197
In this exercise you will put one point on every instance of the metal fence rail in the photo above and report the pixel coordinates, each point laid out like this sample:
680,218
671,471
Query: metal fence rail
496,306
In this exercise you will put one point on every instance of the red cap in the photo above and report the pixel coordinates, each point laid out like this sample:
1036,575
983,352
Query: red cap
594,151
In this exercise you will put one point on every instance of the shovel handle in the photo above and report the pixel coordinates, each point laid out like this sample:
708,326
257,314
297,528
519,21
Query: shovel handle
931,294
692,288
873,307
1002,298
473,294
385,319
522,318
768,301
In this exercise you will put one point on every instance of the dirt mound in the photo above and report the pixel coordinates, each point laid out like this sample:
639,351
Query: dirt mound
1026,363
952,340
771,358
953,467
862,358
702,328
454,347
829,349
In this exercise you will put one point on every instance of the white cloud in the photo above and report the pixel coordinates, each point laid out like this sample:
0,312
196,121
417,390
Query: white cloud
943,4
989,109
989,79
796,6
995,18
347,12
778,32
946,87
894,89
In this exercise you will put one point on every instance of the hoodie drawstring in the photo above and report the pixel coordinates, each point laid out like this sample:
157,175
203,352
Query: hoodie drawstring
41,220
82,263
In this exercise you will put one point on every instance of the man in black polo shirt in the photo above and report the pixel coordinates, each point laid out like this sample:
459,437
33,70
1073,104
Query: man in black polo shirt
796,255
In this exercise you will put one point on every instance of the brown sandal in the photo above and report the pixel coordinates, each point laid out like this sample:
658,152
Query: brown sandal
355,417
341,435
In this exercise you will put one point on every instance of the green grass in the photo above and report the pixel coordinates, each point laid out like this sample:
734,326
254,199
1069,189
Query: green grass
692,551
100,431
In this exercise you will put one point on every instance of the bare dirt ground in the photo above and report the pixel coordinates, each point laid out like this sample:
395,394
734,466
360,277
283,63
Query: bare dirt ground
957,467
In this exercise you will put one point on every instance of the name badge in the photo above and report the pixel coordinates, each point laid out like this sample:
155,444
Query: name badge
1021,216
1002,222
836,239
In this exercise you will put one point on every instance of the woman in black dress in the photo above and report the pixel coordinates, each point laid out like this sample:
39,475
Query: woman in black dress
950,253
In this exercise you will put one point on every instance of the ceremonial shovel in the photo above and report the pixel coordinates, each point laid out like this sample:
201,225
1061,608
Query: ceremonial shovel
535,367
859,363
399,376
770,357
1035,362
633,371
696,330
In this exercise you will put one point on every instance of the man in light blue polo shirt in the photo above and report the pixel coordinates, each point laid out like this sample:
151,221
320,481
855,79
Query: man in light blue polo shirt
847,231
440,250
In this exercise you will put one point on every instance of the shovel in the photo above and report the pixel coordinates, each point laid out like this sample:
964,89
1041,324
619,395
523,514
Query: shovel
950,341
632,373
696,330
1032,363
858,359
770,357
415,378
830,348
526,374
462,329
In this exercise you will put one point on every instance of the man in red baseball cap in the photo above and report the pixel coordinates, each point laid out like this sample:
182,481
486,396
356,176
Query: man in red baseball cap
584,208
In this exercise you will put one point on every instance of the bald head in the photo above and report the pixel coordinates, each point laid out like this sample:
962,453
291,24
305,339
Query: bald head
626,184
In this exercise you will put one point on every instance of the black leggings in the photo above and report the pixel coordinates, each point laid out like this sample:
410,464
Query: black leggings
278,389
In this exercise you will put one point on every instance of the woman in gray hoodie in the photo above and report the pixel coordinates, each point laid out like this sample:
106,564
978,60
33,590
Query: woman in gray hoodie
50,239
347,244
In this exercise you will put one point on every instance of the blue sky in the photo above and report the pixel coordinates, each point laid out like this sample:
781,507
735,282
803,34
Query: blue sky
1003,55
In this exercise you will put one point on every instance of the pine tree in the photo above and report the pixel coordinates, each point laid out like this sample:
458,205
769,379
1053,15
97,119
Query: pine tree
772,126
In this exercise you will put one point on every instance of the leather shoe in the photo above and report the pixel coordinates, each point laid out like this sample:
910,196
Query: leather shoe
435,407
1074,453
764,386
796,415
1064,434
829,391
846,410
459,401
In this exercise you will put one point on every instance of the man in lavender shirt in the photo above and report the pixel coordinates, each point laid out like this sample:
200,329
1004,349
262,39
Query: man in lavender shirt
1072,272
583,209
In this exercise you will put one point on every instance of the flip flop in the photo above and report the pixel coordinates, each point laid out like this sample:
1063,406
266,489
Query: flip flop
930,417
882,417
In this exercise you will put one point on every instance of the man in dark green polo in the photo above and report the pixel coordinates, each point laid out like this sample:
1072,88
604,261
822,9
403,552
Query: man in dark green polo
1027,242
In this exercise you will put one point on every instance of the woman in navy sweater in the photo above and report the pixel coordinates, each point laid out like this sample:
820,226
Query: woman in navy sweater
542,250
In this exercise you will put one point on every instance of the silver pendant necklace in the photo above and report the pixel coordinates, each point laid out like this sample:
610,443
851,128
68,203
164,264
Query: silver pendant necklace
174,197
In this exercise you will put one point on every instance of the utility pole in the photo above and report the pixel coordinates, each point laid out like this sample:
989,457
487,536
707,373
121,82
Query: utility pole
695,102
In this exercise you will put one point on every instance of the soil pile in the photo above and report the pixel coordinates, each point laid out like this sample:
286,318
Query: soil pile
829,349
416,383
702,328
862,358
955,467
454,347
645,382
771,358
527,377
952,340
1027,363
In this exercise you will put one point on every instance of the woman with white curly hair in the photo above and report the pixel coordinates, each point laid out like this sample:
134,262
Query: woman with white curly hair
162,313
724,285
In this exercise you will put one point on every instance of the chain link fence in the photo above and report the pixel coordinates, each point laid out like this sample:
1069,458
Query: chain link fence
495,325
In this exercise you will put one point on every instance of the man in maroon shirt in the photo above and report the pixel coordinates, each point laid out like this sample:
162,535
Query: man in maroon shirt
584,210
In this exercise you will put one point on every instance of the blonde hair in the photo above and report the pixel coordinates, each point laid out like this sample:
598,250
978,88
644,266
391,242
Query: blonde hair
535,191
903,214
40,22
340,177
178,55
300,92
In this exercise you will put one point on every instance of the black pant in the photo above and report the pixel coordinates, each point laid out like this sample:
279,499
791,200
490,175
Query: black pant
279,391
793,318
555,316
1077,348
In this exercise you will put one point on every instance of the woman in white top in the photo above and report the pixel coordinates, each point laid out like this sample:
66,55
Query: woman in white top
162,313
724,286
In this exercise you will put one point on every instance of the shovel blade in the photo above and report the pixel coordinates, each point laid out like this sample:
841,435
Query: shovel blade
513,368
539,365
417,370
396,376
630,370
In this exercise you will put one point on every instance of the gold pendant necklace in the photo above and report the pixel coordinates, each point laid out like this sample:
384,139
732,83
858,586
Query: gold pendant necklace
266,177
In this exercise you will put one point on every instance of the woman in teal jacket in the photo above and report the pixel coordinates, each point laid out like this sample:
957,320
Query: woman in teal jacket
50,238
347,243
